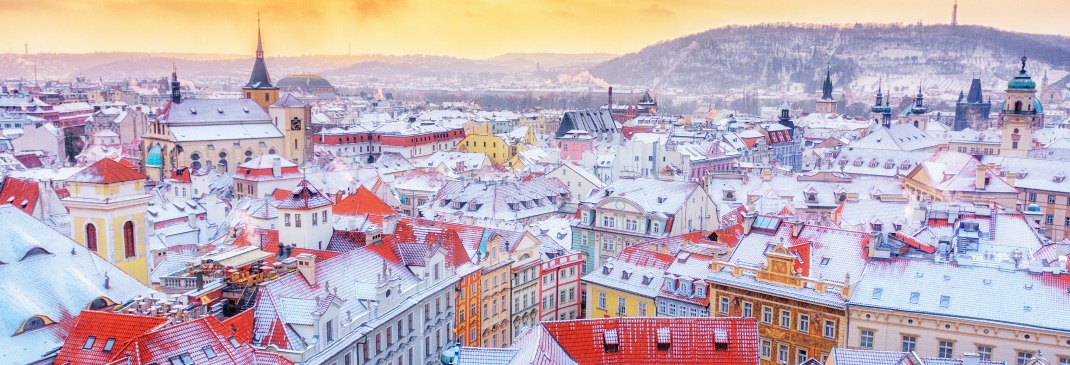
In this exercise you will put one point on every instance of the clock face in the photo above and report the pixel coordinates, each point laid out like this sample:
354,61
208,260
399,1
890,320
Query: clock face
295,124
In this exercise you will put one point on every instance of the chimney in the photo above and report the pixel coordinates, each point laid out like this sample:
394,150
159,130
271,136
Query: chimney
996,169
748,221
796,228
610,100
191,219
980,178
306,265
276,166
390,223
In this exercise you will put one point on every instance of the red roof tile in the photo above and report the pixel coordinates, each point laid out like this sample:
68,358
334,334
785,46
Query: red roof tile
182,174
23,194
363,202
190,339
103,326
269,240
107,171
280,194
690,340
305,196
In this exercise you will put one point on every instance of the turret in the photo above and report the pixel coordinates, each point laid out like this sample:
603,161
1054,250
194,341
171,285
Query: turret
176,87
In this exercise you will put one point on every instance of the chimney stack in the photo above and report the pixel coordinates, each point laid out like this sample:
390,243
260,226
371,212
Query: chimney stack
306,265
748,221
971,358
390,223
276,166
610,100
980,178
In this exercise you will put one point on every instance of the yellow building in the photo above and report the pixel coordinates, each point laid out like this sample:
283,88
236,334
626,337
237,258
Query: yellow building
496,269
107,206
500,148
621,288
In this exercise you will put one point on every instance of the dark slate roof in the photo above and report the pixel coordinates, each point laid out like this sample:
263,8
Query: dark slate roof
587,120
826,88
259,79
646,98
975,92
303,82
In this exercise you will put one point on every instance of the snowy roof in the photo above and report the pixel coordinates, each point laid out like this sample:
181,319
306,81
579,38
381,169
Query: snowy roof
508,201
651,195
266,162
984,294
470,161
304,197
898,137
106,171
192,133
1033,174
48,275
214,111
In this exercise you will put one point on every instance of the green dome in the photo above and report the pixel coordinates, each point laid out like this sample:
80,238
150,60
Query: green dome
1022,81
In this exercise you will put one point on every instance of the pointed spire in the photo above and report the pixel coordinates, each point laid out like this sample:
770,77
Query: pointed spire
826,88
259,79
259,43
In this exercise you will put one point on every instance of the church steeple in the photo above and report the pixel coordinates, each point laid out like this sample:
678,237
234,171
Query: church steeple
176,87
259,87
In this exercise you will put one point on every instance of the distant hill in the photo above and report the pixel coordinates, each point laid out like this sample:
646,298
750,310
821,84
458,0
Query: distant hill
793,57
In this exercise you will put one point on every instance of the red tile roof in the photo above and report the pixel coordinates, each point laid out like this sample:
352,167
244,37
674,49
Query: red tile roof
16,191
270,240
305,196
690,340
190,339
280,194
103,326
30,160
182,174
107,171
638,256
363,202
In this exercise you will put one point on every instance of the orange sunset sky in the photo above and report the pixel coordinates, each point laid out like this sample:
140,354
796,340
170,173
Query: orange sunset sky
462,28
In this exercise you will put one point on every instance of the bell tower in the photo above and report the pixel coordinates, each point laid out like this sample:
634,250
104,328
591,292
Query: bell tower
827,104
1020,115
259,87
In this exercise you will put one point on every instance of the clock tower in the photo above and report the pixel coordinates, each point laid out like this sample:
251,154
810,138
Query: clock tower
1021,114
294,118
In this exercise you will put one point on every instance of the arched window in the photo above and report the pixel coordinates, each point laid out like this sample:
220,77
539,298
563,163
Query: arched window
91,237
915,124
128,240
222,165
1018,106
33,323
155,156
98,303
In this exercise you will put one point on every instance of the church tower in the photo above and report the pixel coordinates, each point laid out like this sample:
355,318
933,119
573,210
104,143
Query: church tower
259,88
294,118
108,204
1020,115
827,104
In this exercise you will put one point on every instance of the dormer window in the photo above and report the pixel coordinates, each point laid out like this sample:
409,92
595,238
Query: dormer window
729,195
811,197
611,342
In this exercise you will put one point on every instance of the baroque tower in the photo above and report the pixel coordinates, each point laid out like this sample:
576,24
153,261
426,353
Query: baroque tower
1020,115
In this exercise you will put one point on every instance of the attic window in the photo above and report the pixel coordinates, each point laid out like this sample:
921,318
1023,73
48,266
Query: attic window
89,343
720,337
184,359
877,292
209,352
915,297
612,343
945,301
233,342
824,261
647,279
192,111
624,274
109,344
245,109
664,339
220,110
607,269
34,252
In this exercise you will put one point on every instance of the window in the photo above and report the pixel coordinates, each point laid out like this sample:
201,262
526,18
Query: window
782,354
410,322
602,301
315,219
748,310
830,328
910,343
1051,199
946,350
801,355
287,218
767,315
866,340
723,308
379,342
1064,361
297,220
804,323
91,237
1032,197
324,216
642,309
210,353
986,353
1024,357
128,239
460,316
767,348
389,336
655,227
785,319
622,306
330,331
89,342
1048,218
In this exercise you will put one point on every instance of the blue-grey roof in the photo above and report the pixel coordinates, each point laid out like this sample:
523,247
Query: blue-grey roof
969,292
214,111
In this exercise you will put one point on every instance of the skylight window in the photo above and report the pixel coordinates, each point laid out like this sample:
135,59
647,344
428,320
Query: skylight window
824,261
109,344
234,342
89,342
612,343
915,297
945,301
209,352
877,292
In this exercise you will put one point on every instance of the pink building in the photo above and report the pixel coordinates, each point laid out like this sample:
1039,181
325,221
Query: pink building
559,287
574,143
